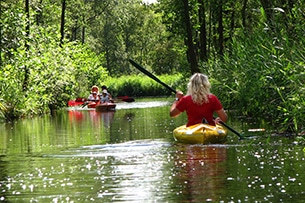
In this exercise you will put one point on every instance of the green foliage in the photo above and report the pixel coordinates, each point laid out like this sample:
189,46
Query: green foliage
122,30
56,74
141,85
12,27
263,79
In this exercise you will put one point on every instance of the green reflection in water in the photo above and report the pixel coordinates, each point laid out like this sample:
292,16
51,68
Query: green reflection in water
130,155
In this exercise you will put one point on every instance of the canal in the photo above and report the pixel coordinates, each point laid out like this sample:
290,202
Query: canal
129,155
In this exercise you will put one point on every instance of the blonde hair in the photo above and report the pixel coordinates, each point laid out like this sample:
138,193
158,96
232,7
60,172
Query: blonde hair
199,88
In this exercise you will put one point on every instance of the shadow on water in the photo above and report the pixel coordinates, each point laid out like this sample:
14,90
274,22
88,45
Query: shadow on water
129,155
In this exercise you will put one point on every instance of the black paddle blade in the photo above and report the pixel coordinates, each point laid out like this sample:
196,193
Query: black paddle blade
143,70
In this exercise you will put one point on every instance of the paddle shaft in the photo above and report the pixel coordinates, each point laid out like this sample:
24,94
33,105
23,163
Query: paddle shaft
143,70
85,104
234,131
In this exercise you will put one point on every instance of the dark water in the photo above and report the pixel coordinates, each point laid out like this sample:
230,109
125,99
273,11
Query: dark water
130,156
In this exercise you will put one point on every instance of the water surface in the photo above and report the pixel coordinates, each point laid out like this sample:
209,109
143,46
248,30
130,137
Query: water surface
130,155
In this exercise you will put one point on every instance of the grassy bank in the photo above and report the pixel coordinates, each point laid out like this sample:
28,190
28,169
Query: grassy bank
142,86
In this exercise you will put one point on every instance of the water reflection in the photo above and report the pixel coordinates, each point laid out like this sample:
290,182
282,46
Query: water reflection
132,171
201,169
75,116
141,104
130,156
95,117
129,116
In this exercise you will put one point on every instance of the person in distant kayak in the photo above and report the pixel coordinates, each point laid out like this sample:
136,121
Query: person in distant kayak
199,104
94,95
104,87
105,97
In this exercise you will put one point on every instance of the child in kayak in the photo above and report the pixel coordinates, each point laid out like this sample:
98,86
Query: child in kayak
94,94
105,97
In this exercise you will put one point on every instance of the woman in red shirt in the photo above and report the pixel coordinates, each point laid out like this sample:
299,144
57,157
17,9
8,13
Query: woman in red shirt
199,103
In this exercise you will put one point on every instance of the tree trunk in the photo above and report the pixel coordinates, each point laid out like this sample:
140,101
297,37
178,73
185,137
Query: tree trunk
0,41
83,35
27,47
62,23
191,54
220,29
210,38
203,33
83,31
243,13
39,14
232,24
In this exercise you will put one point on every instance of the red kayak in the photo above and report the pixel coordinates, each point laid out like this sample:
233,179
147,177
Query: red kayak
92,104
109,106
83,102
105,107
126,98
80,101
77,102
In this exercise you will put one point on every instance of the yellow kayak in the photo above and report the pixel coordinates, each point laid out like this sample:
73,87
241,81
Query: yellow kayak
200,134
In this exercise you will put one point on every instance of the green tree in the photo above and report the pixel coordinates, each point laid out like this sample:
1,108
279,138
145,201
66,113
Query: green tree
54,73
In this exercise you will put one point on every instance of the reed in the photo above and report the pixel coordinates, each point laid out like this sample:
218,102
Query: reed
263,77
142,86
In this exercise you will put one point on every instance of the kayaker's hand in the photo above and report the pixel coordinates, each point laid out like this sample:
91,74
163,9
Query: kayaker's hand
179,94
217,120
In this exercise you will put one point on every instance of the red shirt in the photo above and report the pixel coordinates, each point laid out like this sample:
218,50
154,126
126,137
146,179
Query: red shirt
196,112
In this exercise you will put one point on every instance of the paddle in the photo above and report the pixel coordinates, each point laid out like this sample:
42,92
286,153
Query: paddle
222,123
234,131
84,104
140,68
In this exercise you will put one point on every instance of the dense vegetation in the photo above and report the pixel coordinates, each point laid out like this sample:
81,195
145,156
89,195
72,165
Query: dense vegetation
253,52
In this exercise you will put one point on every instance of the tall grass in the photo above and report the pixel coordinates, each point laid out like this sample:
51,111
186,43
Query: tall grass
263,77
141,85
